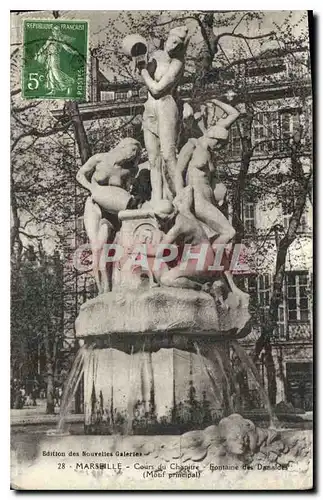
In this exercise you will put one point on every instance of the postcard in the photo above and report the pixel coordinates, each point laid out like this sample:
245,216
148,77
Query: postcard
161,250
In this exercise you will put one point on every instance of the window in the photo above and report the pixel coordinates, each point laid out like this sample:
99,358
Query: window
264,289
107,95
294,306
298,66
302,227
80,235
235,140
286,212
259,289
299,384
307,127
252,289
281,327
297,296
272,131
249,217
266,67
259,133
121,96
251,285
289,125
265,132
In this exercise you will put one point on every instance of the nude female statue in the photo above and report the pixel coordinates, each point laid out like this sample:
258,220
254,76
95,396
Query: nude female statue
108,177
194,160
187,230
161,115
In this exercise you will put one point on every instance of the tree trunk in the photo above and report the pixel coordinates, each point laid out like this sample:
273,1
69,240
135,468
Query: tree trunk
247,151
208,50
79,130
264,341
14,234
50,405
271,373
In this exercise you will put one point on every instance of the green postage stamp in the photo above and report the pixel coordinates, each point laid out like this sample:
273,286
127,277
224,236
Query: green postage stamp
54,60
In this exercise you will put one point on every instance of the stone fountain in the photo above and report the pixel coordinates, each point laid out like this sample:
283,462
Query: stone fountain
160,335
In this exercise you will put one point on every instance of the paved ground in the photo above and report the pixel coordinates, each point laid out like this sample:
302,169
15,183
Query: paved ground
37,415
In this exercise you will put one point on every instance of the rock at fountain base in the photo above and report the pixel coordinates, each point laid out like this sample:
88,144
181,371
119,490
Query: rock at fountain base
122,462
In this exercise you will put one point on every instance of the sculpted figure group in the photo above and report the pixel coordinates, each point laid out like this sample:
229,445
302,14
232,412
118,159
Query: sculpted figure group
184,197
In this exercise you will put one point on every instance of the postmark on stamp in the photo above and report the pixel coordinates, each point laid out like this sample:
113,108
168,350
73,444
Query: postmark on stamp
54,60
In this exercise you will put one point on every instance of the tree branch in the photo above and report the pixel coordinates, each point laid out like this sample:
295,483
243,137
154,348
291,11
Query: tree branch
17,109
245,37
184,18
239,22
33,132
15,92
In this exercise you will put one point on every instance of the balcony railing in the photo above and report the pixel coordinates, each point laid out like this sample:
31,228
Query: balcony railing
299,331
264,72
124,96
292,332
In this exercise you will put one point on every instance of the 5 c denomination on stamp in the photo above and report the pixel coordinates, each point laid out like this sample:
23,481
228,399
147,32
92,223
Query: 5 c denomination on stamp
54,61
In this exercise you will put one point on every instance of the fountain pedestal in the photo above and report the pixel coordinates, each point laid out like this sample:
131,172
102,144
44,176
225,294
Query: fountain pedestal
158,362
146,392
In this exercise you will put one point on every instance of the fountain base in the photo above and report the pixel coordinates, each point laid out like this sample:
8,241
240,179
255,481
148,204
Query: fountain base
167,391
154,364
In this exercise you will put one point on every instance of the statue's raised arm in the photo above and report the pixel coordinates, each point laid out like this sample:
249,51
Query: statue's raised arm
85,172
195,168
166,83
231,112
161,116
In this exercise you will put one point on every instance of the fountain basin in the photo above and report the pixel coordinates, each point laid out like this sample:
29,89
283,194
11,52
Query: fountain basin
164,309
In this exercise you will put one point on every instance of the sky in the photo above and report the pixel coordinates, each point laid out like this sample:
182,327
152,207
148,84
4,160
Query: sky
98,21
99,30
